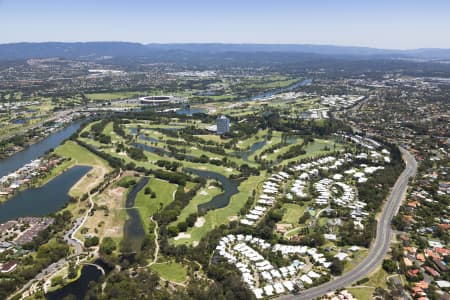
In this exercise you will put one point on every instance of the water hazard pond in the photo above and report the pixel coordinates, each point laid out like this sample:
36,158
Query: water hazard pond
230,188
43,200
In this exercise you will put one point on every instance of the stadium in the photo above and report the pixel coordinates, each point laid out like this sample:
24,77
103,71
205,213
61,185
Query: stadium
157,100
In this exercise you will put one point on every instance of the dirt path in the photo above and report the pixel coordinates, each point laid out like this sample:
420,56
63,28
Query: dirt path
155,231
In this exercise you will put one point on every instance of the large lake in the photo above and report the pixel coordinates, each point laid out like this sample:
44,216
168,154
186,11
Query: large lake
43,200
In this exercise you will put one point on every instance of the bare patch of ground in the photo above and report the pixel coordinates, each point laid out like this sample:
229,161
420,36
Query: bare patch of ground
182,235
200,222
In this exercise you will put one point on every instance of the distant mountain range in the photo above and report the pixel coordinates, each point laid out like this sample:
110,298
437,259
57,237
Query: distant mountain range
19,51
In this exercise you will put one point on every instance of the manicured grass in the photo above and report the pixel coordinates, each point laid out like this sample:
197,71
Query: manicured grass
246,144
147,206
376,279
171,271
362,293
273,156
217,217
357,257
82,156
211,137
112,96
276,138
292,212
108,128
198,199
315,149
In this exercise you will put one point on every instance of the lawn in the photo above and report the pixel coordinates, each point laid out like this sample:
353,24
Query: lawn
217,217
376,279
273,156
362,293
171,271
316,148
202,196
357,257
112,96
211,137
292,212
147,206
276,138
82,156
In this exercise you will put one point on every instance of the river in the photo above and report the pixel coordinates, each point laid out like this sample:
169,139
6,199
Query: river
230,188
279,90
16,161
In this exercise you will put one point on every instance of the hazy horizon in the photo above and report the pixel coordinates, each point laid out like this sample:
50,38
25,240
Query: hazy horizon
382,24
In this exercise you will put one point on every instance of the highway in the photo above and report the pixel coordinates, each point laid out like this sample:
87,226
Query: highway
378,248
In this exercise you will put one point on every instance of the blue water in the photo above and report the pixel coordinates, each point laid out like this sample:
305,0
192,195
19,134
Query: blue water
134,232
12,163
43,200
190,112
161,151
230,188
280,90
253,148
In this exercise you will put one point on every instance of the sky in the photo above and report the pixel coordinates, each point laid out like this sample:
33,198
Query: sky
390,24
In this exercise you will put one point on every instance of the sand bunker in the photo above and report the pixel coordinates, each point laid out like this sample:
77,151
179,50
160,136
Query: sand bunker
200,222
182,235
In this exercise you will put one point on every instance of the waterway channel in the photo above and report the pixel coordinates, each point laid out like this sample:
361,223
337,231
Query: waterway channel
16,161
279,90
230,188
134,232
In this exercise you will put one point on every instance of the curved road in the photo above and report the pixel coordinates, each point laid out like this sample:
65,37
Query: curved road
382,241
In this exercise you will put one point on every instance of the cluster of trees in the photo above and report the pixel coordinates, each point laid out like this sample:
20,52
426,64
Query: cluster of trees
119,285
173,210
293,151
149,191
47,252
97,132
91,241
136,153
168,165
114,162
7,146
352,236
172,177
118,129
247,171
107,246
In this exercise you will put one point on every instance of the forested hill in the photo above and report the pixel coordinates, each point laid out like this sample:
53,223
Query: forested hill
16,51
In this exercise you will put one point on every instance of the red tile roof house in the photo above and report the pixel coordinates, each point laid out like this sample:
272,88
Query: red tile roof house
444,226
414,272
442,251
9,266
431,271
417,291
431,254
420,257
422,284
